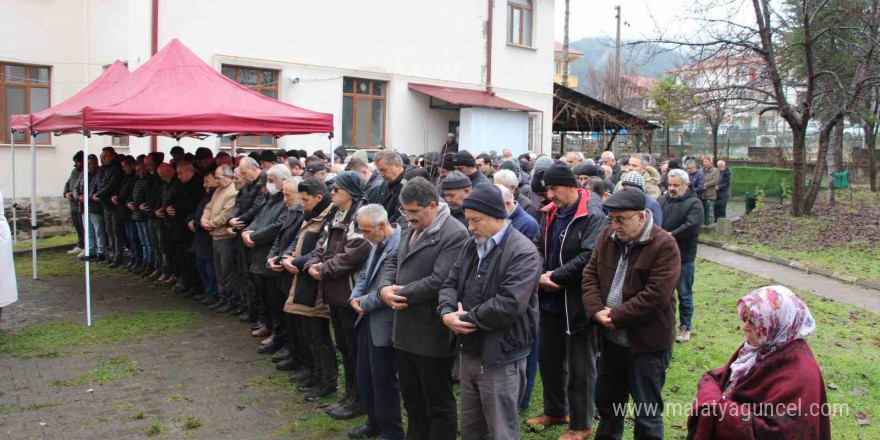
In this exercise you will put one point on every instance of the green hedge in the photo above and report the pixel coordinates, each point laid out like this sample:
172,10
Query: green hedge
769,179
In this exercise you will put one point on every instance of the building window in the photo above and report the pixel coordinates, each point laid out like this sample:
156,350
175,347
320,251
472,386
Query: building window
363,112
23,90
263,81
519,22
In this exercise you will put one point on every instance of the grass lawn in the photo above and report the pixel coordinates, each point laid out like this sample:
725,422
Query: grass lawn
57,240
56,263
842,238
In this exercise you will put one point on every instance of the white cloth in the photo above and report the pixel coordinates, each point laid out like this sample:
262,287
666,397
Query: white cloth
8,288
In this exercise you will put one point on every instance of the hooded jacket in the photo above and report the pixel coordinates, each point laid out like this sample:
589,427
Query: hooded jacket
303,298
682,217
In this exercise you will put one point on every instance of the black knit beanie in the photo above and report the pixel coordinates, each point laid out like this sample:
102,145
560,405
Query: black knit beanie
464,159
560,175
486,198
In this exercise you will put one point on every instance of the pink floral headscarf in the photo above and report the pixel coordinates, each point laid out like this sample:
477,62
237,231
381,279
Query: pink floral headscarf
779,317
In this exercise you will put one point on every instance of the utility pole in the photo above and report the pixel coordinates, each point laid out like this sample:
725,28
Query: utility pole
617,55
565,49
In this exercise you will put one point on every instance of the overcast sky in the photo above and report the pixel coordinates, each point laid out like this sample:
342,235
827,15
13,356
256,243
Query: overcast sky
641,18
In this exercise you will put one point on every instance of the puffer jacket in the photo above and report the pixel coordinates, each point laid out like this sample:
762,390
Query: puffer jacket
343,250
111,178
265,228
250,200
682,217
138,196
70,187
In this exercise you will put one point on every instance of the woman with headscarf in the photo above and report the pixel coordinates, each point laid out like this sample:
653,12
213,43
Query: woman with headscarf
772,387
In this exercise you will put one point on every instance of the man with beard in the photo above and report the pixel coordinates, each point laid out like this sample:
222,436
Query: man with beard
456,187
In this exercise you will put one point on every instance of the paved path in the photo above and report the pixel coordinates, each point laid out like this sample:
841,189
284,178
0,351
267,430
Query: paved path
825,287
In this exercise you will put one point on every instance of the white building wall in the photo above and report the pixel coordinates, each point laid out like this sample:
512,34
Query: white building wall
484,129
399,41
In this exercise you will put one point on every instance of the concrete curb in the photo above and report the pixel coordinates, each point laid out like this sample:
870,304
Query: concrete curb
791,263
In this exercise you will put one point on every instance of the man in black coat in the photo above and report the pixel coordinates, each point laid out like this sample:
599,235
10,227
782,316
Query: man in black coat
111,179
567,341
126,188
723,190
203,242
152,201
490,300
410,284
250,200
391,168
682,217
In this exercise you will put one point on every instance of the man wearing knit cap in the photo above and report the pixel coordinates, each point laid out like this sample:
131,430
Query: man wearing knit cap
465,162
523,192
490,301
633,179
456,188
567,349
627,289
268,159
446,166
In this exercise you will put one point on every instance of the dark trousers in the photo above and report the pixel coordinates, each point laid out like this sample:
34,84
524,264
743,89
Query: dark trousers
317,334
168,249
156,228
264,289
275,306
206,274
426,388
720,209
377,382
115,232
708,212
343,319
77,218
297,341
134,242
531,372
623,373
224,268
186,263
568,371
245,285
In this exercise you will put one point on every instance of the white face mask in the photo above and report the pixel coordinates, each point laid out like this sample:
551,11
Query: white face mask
271,188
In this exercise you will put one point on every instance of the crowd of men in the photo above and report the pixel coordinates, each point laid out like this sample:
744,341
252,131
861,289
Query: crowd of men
431,270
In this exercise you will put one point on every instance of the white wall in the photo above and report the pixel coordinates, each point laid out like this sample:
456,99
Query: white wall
484,129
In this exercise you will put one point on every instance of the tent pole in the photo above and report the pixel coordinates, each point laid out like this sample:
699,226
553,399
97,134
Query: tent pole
34,202
14,207
86,234
234,147
330,139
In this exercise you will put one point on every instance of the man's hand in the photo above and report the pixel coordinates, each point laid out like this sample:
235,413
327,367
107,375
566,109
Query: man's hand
130,205
206,225
68,196
145,207
356,305
96,198
287,264
315,270
236,223
389,296
547,284
170,210
160,213
114,200
246,238
81,198
273,265
191,225
454,322
604,317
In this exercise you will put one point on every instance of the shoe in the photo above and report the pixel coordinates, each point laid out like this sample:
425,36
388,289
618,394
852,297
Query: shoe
573,434
320,392
684,334
286,364
101,258
153,276
545,420
161,280
114,264
246,317
268,340
258,325
344,401
271,347
224,309
209,300
200,297
261,332
81,254
180,287
298,375
217,305
238,310
364,431
85,257
131,265
170,282
191,293
281,355
346,412
74,251
308,384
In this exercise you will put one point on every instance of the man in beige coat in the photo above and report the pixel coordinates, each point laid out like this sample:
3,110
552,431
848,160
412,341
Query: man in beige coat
214,219
711,177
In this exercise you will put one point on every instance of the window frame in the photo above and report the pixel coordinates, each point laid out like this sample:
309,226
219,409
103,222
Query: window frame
259,88
369,97
530,8
28,85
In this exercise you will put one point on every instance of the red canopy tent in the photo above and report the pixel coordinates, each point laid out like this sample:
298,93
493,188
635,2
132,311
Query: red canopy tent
177,94
174,94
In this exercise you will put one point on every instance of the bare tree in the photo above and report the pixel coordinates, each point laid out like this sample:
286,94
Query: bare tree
604,85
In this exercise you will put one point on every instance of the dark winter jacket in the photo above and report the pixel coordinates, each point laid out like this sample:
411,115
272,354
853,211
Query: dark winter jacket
682,217
389,197
724,184
577,246
500,298
265,227
95,207
203,243
303,298
126,186
138,196
372,188
70,187
111,178
286,237
343,250
183,197
421,268
155,187
250,200
647,313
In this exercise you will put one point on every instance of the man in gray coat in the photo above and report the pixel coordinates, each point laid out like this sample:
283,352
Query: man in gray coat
376,369
410,284
490,299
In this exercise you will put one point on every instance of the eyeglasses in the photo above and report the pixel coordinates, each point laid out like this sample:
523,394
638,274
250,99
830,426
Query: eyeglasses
619,220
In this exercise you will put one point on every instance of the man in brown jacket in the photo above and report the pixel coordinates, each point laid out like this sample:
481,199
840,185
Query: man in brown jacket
628,286
711,178
217,213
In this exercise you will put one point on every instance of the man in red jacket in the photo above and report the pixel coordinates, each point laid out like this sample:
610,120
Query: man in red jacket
628,286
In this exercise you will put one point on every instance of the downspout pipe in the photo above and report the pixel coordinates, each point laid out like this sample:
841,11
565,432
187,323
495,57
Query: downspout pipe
491,10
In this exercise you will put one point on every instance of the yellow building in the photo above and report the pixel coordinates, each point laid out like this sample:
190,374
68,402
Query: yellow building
573,55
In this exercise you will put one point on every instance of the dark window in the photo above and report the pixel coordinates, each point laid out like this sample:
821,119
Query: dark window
23,90
363,112
263,81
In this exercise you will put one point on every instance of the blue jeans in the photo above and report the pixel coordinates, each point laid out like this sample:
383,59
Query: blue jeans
686,294
143,232
134,243
96,233
531,371
206,273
